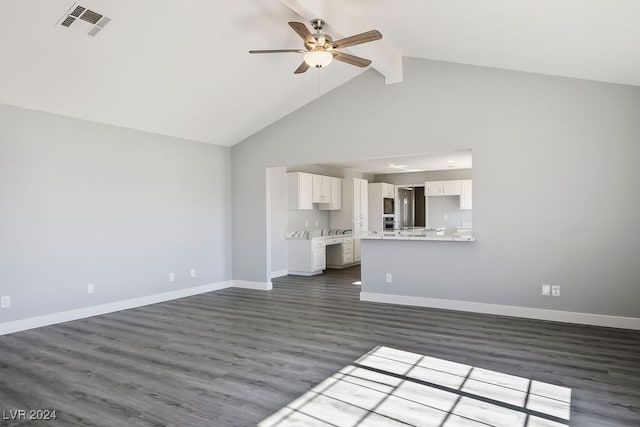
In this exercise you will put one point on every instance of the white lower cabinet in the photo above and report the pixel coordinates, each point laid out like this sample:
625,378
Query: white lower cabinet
306,257
356,250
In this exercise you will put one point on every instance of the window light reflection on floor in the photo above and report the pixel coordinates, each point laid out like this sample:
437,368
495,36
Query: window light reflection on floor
389,387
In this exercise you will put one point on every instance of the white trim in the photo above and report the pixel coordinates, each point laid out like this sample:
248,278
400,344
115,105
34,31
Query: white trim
507,310
260,286
279,273
95,310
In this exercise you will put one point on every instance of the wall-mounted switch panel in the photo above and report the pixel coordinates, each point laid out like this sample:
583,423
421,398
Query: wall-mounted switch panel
5,302
389,278
546,290
172,277
555,291
91,288
193,272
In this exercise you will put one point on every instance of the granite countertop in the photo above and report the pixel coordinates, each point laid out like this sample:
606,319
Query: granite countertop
420,234
315,234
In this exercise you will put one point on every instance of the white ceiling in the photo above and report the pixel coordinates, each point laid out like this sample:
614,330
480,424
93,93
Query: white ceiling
182,69
461,159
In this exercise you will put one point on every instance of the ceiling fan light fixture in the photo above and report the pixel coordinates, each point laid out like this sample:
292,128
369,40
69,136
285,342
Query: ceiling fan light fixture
318,58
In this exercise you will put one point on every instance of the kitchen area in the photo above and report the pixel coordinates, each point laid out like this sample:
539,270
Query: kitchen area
323,212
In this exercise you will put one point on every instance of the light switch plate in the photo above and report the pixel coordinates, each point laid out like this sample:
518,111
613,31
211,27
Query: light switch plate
546,290
555,291
5,301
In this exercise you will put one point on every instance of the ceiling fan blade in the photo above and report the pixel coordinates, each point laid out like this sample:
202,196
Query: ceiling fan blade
302,68
350,59
302,31
277,51
369,36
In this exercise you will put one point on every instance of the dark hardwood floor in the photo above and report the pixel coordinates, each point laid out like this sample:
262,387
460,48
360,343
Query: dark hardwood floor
233,357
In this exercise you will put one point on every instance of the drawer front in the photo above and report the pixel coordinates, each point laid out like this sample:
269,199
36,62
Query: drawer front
347,258
317,244
348,241
333,241
347,249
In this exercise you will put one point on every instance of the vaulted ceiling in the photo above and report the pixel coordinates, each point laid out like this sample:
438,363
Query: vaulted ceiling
182,69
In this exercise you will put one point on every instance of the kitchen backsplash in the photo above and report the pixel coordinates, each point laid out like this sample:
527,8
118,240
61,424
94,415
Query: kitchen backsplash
449,205
297,219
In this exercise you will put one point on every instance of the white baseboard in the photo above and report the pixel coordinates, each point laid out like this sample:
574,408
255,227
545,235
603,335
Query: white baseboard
279,273
260,286
507,310
96,310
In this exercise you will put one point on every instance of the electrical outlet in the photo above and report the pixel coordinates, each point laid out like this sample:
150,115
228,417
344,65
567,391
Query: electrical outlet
555,291
446,217
172,277
5,302
91,288
306,224
546,290
389,278
316,223
193,272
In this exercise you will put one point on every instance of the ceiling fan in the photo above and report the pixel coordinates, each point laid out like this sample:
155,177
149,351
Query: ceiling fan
320,49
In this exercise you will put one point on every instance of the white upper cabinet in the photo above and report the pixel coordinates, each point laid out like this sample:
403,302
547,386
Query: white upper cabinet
299,190
442,188
433,188
465,194
321,189
388,191
335,195
450,188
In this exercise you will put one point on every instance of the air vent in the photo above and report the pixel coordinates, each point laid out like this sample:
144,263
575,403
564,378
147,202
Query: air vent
90,16
80,18
77,11
67,22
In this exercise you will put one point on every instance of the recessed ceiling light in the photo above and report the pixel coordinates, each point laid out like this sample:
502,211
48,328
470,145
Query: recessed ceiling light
391,165
450,161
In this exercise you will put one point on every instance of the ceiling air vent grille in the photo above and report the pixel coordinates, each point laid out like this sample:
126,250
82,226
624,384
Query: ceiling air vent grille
68,21
90,16
77,11
86,20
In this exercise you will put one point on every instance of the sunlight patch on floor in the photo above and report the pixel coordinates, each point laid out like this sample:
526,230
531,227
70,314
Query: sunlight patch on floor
390,387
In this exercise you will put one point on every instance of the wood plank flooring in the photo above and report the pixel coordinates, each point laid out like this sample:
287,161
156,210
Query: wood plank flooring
233,357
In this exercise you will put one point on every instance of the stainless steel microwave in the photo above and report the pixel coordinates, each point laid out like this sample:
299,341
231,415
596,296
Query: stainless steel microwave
388,205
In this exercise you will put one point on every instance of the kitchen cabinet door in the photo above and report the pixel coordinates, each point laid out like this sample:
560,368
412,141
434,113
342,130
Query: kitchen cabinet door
335,195
356,250
465,194
433,188
317,189
357,195
325,196
299,190
450,188
319,261
364,199
388,191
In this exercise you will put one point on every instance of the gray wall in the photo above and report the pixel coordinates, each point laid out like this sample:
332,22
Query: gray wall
279,218
84,202
544,149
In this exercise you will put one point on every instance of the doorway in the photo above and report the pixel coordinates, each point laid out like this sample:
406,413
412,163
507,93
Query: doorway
411,212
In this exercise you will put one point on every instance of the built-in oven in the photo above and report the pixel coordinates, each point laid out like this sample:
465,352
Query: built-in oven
388,206
387,222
